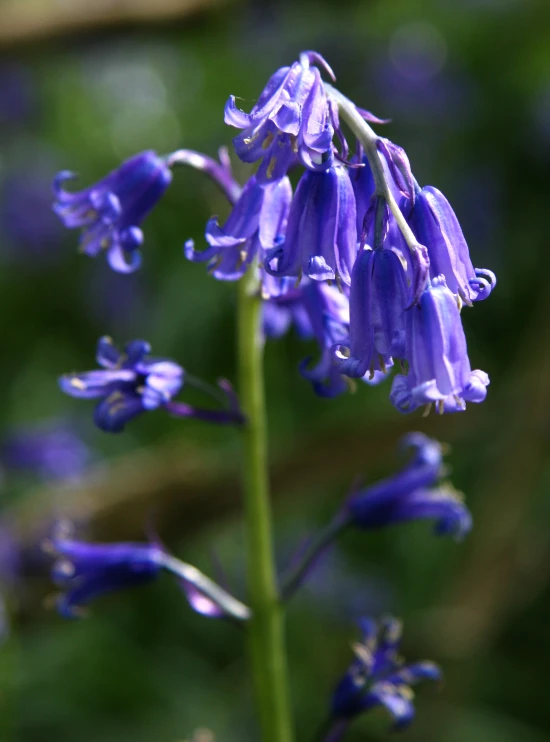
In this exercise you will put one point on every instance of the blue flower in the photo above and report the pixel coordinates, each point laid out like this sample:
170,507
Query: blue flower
283,306
321,235
110,212
291,121
129,383
378,298
414,493
86,571
439,367
364,187
378,677
436,226
257,223
328,312
53,451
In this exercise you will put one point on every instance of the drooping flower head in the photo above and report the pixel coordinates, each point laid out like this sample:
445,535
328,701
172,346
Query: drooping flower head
128,384
110,212
257,223
290,123
321,235
414,493
436,226
378,677
86,570
439,367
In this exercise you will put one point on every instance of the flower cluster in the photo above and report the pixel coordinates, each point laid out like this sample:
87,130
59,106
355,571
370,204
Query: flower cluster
394,251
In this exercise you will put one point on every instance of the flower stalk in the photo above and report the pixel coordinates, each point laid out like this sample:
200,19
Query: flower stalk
368,139
266,631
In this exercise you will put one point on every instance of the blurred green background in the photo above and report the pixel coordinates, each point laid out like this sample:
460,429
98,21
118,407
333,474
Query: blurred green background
467,86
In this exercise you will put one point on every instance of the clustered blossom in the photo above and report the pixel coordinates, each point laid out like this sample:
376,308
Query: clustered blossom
400,292
404,280
378,677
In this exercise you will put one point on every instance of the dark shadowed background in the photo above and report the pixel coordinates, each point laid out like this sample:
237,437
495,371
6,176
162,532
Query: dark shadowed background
84,85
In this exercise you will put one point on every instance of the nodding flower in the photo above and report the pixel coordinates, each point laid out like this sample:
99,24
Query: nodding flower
111,211
321,235
257,223
290,123
413,493
439,368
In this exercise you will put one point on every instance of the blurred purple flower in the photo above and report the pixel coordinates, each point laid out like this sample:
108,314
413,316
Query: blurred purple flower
128,384
378,677
52,451
28,238
17,94
110,211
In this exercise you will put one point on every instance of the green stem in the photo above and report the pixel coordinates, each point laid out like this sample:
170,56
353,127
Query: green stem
266,630
368,139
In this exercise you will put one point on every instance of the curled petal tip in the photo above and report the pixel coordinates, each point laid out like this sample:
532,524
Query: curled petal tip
315,58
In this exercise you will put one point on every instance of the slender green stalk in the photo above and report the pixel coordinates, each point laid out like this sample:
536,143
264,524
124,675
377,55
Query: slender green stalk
266,630
368,139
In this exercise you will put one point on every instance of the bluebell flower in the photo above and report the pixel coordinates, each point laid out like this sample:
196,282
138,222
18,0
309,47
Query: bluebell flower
52,451
378,299
321,235
328,313
257,223
414,493
283,307
290,123
85,571
378,677
128,384
439,367
317,311
362,181
111,211
399,167
436,226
